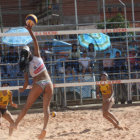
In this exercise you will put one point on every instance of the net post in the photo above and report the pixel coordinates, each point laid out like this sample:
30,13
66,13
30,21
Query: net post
138,96
0,74
74,94
93,91
81,100
18,92
19,98
65,98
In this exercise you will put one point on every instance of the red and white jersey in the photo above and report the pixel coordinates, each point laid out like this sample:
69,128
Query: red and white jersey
36,66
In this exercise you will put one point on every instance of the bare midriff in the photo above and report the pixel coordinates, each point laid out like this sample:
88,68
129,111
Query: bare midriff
42,76
106,96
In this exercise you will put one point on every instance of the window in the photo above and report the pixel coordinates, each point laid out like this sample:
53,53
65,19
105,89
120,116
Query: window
109,9
119,9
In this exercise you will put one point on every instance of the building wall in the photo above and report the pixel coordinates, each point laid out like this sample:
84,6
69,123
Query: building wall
13,14
88,11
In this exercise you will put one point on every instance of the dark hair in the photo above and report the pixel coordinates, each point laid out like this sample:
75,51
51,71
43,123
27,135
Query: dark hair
73,47
107,53
24,59
11,47
4,84
84,52
89,49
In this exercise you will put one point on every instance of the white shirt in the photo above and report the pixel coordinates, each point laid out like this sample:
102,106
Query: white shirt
36,66
84,61
108,63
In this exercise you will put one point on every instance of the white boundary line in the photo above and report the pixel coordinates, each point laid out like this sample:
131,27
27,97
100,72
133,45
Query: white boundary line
46,33
79,84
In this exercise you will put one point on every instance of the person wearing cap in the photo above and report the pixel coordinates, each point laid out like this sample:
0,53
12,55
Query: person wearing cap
5,99
108,100
41,81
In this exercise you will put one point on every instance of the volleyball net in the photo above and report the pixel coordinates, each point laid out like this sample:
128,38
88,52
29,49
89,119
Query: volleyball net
70,83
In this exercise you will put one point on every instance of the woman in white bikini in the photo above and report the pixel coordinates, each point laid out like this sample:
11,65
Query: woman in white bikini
41,82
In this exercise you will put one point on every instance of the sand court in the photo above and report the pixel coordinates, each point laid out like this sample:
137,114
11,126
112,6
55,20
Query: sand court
86,124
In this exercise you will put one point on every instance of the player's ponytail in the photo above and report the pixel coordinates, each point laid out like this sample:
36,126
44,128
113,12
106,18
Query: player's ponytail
24,59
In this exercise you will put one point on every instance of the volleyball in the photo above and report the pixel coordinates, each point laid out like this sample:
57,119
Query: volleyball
53,114
31,20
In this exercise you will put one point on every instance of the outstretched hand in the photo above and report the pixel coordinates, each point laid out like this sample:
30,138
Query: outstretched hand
14,105
21,90
98,96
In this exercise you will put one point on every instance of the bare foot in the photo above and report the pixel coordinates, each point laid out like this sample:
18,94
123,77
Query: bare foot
126,128
11,129
42,135
119,127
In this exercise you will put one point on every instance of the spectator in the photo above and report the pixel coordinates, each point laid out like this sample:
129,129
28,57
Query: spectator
60,62
133,45
91,53
138,61
3,60
119,64
85,63
132,60
69,75
74,55
108,64
12,57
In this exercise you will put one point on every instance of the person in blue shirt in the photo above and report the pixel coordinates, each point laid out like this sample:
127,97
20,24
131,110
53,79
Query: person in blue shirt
119,64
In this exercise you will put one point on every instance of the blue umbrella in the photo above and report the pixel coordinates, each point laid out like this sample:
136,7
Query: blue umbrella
59,43
16,40
100,40
59,46
112,52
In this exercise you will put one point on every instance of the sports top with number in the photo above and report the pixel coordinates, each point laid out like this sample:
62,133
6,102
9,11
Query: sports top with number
105,89
36,66
4,100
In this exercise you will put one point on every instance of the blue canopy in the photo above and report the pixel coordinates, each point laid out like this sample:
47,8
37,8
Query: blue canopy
59,43
59,46
17,40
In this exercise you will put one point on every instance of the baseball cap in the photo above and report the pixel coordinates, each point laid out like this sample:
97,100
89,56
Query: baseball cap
26,48
104,73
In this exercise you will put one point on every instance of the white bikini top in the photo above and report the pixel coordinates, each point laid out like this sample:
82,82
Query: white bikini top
36,66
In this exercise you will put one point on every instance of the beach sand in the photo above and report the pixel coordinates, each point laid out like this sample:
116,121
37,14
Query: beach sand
87,124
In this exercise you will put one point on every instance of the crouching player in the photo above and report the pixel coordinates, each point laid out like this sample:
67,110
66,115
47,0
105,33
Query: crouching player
5,99
108,100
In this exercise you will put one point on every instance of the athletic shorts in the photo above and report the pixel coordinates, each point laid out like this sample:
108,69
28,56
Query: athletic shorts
2,111
43,83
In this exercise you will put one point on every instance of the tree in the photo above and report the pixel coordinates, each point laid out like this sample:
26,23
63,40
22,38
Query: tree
117,21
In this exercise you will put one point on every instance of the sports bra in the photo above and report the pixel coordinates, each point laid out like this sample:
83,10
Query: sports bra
4,100
105,89
36,66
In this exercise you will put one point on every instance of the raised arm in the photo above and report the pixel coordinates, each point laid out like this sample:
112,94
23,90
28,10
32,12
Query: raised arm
36,46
